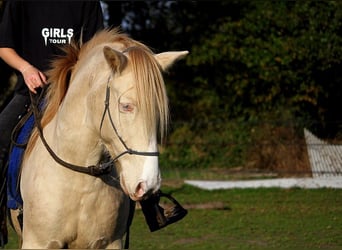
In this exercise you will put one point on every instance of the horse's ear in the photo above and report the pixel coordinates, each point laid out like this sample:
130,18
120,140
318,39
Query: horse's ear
116,60
166,59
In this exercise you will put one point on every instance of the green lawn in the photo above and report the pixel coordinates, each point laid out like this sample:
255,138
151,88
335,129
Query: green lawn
250,219
247,219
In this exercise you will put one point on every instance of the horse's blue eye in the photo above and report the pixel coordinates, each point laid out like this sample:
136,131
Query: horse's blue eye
126,107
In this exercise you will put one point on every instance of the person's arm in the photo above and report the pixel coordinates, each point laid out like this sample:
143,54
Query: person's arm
32,76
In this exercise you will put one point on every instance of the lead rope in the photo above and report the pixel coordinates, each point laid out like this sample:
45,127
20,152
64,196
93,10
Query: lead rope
129,222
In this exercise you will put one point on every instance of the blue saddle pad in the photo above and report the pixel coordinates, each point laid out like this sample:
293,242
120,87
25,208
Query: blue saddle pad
14,199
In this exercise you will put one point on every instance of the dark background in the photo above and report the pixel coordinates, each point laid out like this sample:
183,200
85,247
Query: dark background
258,72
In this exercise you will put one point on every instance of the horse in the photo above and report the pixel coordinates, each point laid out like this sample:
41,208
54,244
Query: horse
106,100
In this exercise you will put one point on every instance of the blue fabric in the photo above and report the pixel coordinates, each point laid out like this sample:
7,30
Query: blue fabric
14,199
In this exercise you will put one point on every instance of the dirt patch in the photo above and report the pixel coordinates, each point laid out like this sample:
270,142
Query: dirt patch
217,205
281,150
242,173
208,205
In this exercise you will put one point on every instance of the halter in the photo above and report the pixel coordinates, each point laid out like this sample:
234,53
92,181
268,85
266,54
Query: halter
93,170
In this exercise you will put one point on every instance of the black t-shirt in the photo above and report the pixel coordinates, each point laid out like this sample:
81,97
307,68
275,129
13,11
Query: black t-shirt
36,29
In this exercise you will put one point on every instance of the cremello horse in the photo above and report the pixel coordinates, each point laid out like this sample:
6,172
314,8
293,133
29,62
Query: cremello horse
105,97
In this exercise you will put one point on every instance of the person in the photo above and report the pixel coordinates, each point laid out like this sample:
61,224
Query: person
31,34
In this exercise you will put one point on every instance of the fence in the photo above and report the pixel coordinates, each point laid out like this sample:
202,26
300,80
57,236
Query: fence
325,159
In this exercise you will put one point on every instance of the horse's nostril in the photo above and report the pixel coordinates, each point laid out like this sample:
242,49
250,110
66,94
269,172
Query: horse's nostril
140,189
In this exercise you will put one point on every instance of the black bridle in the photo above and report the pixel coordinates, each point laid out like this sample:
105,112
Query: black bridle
127,149
94,170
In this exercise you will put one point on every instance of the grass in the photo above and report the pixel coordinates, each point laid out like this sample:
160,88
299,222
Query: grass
215,174
250,219
246,219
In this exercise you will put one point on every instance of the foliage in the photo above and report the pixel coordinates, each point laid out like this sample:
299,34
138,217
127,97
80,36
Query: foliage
270,57
273,64
203,144
247,57
250,62
266,143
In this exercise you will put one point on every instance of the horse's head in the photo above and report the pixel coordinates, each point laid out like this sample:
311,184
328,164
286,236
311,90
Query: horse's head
135,114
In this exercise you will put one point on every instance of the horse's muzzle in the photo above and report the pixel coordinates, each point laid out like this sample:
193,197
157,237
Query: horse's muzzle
140,191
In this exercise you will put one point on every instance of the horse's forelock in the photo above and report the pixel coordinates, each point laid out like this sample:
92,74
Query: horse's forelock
151,94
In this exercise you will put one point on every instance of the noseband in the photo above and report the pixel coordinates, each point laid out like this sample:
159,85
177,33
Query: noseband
93,170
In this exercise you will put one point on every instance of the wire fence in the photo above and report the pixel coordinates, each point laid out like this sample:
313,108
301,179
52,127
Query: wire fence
325,159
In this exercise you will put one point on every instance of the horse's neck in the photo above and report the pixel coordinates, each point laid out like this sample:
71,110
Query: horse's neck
70,135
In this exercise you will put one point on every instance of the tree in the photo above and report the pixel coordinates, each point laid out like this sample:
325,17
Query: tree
270,58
